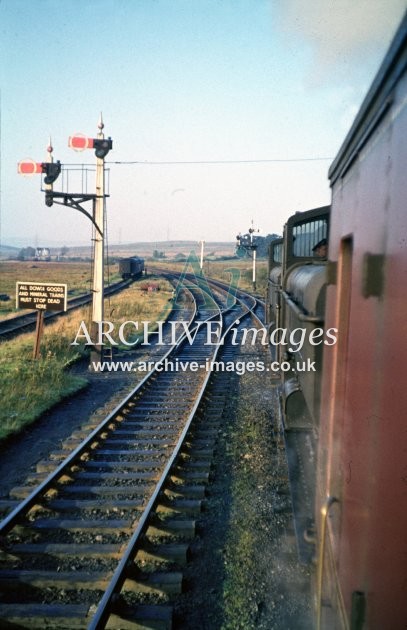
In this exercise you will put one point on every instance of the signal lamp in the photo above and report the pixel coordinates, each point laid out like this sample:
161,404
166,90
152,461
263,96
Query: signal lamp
102,146
52,171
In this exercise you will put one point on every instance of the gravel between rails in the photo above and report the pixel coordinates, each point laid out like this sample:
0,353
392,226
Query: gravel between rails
245,572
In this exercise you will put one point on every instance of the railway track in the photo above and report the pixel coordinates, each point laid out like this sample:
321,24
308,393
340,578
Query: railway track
87,537
21,323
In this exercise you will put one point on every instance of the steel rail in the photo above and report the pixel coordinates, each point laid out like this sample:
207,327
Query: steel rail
51,481
11,519
103,610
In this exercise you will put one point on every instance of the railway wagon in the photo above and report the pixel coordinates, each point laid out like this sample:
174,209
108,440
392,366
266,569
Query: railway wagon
361,497
131,267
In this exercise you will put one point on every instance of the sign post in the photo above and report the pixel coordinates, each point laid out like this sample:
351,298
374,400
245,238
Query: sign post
39,328
41,297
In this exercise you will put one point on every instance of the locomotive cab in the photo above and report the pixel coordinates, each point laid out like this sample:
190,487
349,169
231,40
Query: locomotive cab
275,260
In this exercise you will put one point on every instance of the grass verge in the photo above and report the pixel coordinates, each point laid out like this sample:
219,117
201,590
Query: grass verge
29,388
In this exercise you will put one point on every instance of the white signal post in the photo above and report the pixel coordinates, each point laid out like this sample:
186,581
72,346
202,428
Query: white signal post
98,249
202,244
253,247
40,314
79,142
49,158
254,270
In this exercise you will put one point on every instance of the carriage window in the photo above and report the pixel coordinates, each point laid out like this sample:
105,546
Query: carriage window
307,235
278,253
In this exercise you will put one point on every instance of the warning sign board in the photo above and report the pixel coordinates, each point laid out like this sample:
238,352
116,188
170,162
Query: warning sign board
41,297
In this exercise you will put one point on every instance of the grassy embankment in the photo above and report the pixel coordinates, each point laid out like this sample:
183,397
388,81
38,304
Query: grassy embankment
28,387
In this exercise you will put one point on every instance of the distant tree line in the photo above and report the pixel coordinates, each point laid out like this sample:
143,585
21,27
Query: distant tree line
26,253
30,253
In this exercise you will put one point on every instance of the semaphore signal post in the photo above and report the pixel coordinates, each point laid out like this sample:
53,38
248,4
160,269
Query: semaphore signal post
51,171
102,146
246,244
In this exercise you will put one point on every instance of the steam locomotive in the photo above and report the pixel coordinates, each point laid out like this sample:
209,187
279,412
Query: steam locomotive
344,423
131,267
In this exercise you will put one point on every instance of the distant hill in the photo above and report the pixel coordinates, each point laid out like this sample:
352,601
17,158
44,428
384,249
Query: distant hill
170,249
8,250
161,250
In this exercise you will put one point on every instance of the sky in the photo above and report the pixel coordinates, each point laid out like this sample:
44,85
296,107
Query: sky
221,112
